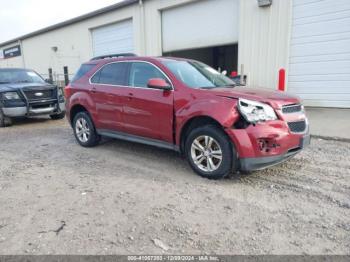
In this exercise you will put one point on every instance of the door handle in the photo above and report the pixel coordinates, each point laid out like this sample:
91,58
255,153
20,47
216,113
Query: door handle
130,96
93,90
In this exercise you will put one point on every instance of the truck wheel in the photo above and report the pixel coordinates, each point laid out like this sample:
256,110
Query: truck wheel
58,116
4,121
210,152
84,130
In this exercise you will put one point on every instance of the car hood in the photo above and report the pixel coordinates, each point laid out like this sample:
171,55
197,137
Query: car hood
18,86
276,99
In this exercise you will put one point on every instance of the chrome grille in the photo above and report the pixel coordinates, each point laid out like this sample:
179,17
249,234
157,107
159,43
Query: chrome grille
40,94
295,108
297,127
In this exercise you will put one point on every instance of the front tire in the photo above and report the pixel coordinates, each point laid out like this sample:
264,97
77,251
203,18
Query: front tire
84,130
210,152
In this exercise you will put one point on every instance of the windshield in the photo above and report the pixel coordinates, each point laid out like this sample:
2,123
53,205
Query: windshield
197,75
19,76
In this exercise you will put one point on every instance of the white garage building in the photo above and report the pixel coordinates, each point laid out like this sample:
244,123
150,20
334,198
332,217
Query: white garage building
310,39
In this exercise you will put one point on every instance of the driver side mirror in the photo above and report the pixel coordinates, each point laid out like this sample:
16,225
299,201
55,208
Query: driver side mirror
158,83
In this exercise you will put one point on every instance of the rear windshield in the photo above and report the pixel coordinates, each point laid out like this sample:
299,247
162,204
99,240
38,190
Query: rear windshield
82,71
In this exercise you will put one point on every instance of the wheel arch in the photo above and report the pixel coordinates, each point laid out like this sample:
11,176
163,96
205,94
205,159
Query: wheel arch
194,122
77,108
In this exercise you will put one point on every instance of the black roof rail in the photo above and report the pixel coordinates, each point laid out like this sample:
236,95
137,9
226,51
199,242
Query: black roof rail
113,56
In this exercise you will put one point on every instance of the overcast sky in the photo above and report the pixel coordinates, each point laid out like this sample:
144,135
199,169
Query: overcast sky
19,17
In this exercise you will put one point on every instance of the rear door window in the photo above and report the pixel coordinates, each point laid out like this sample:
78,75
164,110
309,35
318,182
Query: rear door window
111,74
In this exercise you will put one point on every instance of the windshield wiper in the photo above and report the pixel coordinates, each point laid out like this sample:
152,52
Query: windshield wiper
206,87
3,82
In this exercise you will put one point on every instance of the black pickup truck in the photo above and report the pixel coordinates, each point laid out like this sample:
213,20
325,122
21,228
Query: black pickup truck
24,93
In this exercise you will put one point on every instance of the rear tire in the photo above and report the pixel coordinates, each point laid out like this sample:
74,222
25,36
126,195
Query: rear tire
84,130
210,152
4,120
58,116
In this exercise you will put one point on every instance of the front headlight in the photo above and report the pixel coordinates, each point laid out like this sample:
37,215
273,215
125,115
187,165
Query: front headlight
254,112
11,96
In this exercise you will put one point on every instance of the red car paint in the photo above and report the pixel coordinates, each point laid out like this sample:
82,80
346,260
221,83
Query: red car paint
162,115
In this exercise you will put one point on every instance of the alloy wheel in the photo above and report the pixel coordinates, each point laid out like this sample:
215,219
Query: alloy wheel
82,130
206,153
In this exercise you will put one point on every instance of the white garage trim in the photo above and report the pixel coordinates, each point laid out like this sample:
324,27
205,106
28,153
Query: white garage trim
319,68
200,24
113,39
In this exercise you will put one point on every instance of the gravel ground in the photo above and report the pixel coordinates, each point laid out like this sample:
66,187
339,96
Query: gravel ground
123,198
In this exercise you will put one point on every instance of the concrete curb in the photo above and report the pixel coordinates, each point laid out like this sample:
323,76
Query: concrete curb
330,138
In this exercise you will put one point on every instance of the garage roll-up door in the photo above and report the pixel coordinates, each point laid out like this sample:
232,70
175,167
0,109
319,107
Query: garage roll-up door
113,39
200,24
319,70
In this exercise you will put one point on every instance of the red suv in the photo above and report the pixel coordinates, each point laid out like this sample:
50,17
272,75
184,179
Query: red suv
187,106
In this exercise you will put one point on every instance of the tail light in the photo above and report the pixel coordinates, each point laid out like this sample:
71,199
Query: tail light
67,91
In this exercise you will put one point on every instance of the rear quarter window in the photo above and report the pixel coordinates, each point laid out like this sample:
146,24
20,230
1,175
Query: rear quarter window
84,69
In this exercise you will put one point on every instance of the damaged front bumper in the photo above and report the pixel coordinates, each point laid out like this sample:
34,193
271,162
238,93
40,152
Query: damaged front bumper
258,163
267,144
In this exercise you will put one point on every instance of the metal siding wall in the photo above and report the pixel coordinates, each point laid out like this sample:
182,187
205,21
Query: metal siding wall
263,38
264,41
74,43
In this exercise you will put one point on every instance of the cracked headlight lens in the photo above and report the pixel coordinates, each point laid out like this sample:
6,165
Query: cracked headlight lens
254,111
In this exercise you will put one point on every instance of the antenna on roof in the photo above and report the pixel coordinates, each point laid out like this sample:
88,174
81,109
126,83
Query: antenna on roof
113,56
